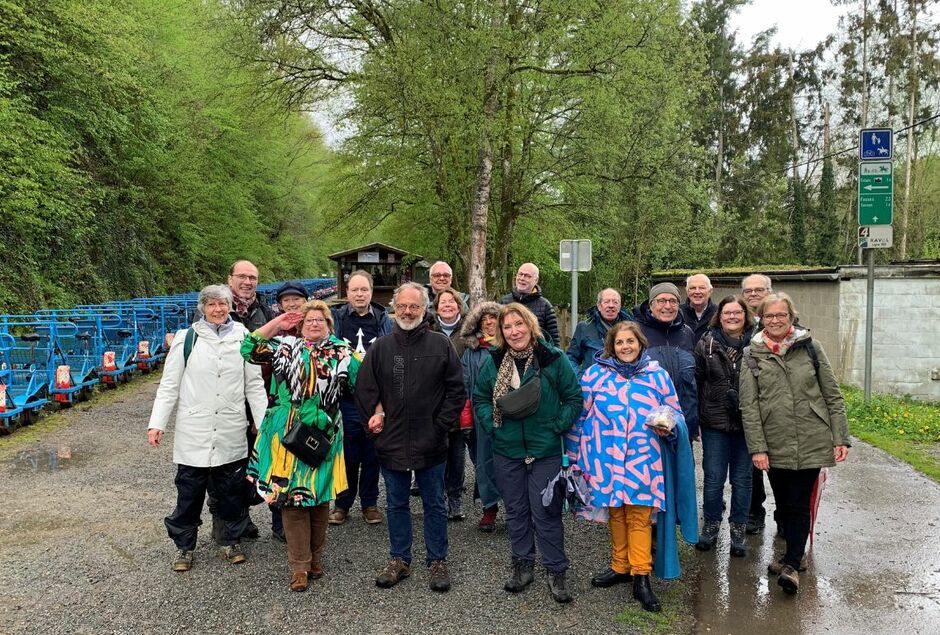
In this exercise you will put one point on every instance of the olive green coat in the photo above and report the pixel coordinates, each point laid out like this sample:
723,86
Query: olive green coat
788,413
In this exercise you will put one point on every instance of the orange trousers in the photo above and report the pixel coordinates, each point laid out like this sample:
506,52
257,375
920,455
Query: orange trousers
631,539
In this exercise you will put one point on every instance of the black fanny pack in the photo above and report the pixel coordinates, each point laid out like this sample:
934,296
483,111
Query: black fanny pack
523,401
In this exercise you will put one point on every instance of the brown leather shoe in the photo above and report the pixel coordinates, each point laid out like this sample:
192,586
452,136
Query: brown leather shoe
338,516
298,581
372,515
315,573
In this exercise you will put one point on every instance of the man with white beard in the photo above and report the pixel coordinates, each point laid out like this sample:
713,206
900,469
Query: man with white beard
413,376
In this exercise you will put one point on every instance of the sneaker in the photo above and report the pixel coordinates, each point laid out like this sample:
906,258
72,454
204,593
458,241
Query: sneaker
789,579
558,585
755,525
455,508
372,515
738,546
234,554
488,520
521,576
184,560
298,581
394,572
439,577
709,535
338,516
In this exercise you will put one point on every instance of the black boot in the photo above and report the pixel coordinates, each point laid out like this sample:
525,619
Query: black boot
709,535
738,546
609,578
643,593
558,585
521,576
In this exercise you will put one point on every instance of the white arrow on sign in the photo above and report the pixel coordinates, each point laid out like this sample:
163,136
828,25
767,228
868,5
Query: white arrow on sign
876,187
874,218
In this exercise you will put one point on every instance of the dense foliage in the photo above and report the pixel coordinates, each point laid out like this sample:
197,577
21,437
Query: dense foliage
136,156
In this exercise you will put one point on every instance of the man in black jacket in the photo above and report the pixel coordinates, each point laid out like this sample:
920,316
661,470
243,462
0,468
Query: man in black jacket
698,308
410,392
527,292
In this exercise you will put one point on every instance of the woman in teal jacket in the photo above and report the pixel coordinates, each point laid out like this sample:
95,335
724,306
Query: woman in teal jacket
527,452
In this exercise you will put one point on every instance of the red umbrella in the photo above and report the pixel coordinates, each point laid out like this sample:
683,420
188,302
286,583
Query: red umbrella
814,501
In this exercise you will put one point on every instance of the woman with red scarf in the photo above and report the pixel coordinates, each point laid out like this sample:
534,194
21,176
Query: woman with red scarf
794,422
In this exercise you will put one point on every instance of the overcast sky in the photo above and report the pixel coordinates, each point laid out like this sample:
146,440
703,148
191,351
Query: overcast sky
801,24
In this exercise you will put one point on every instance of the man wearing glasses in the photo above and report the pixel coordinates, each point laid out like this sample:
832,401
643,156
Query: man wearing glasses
442,276
755,288
672,343
527,293
249,310
416,377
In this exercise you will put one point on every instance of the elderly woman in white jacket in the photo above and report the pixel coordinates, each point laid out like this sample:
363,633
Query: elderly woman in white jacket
208,382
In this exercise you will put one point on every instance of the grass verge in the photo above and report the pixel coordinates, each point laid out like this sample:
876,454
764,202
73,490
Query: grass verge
676,597
902,427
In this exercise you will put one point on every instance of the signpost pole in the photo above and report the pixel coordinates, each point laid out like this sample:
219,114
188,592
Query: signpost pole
869,321
574,285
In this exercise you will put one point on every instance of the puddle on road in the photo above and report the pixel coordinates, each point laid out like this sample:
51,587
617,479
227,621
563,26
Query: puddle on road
44,459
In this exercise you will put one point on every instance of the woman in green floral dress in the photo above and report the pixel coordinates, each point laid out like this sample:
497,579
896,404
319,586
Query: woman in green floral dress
310,372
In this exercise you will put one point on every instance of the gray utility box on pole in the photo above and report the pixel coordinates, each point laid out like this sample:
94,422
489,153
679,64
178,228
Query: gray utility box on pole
574,256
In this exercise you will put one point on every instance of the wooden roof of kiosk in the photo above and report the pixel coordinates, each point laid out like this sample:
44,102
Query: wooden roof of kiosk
384,262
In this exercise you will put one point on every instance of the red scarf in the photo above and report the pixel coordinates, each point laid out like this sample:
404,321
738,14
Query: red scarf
242,303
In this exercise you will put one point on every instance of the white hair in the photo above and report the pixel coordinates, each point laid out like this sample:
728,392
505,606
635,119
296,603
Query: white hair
440,263
767,281
707,281
420,288
600,294
215,292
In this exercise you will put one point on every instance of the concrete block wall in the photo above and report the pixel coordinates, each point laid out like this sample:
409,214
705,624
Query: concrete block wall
906,335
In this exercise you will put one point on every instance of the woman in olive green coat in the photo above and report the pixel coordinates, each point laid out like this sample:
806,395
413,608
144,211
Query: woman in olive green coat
794,422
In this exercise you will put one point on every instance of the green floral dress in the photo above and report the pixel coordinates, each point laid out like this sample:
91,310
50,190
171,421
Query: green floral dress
308,380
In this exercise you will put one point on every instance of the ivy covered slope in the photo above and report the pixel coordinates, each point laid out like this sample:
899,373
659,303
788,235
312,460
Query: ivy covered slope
138,156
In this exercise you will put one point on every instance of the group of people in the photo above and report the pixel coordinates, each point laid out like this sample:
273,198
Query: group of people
347,393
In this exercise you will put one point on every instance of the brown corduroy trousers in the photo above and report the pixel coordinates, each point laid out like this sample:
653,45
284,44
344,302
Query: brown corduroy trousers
305,530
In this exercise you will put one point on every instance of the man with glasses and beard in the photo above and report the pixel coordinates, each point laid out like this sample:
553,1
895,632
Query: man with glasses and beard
414,377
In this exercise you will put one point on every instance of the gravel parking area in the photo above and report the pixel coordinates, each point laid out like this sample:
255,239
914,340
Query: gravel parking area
84,550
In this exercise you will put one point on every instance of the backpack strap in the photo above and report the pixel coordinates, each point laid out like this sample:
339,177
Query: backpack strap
188,343
813,356
751,362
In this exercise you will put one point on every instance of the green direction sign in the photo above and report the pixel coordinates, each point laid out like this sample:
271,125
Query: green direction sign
875,193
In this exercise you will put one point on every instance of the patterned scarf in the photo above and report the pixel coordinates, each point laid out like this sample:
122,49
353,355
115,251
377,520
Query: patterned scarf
508,377
780,348
243,302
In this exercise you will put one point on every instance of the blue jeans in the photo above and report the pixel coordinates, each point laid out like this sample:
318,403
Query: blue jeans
724,453
398,511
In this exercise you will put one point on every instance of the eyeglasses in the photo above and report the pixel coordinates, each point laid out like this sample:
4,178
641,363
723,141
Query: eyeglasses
732,313
754,290
315,321
411,308
665,301
768,317
245,276
442,275
523,274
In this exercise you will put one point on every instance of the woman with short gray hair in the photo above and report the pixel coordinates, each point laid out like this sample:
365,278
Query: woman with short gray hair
206,380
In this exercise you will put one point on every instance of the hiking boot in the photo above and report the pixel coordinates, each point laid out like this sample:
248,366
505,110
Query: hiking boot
738,546
776,568
488,520
184,560
338,516
789,579
234,554
522,576
755,525
709,535
298,581
643,593
251,531
610,578
394,572
438,577
558,585
372,515
455,508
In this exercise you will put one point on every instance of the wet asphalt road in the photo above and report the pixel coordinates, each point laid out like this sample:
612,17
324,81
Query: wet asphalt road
83,550
874,567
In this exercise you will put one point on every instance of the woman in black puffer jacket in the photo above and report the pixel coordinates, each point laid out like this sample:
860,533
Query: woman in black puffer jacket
724,450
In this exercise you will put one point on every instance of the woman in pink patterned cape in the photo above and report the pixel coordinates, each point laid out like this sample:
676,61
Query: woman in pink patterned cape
621,456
